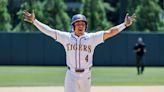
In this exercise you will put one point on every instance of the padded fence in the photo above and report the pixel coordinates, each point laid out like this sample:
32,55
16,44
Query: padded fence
39,49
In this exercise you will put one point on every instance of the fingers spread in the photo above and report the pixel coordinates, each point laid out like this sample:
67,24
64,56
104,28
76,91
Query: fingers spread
133,17
127,14
33,14
26,13
25,20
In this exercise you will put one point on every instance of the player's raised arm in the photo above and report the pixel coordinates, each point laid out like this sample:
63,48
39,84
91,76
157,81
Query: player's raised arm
30,17
117,29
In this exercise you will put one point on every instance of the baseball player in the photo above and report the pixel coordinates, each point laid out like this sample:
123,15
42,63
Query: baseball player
140,50
79,47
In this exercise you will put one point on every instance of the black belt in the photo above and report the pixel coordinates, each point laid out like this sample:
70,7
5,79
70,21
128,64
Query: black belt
79,70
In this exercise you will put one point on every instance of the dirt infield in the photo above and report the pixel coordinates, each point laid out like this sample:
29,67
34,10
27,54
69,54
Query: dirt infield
94,89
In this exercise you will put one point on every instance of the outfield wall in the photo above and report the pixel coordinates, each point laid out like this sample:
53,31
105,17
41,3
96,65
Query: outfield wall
39,49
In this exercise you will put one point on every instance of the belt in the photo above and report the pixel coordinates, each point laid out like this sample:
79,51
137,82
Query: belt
78,70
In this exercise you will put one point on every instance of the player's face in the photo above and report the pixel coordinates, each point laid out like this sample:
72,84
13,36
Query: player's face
80,27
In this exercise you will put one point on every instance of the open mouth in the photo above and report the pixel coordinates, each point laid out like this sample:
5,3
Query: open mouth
80,29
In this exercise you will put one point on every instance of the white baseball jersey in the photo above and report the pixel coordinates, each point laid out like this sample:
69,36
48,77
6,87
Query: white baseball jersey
79,55
79,50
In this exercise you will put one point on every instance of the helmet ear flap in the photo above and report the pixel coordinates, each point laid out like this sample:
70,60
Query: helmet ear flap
86,26
72,27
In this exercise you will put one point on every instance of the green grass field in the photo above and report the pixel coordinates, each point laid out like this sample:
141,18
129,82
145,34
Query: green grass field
101,76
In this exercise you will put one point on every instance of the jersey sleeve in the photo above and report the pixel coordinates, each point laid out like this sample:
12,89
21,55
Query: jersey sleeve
62,37
55,34
98,37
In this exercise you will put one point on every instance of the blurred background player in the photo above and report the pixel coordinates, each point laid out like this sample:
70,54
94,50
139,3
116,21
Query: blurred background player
140,50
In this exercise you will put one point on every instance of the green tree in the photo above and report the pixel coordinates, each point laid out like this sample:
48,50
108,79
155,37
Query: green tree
95,11
132,5
131,9
5,19
55,15
37,6
161,26
148,16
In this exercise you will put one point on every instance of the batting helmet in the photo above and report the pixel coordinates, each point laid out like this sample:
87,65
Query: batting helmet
78,17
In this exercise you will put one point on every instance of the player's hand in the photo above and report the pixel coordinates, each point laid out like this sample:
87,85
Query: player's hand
29,17
129,19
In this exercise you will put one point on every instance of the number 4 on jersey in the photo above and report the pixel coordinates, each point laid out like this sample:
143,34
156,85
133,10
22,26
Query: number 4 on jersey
86,58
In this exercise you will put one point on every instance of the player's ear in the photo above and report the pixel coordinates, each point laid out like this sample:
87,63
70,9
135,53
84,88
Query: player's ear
73,26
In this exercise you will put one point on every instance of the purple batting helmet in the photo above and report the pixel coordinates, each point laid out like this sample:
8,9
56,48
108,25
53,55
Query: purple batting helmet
78,17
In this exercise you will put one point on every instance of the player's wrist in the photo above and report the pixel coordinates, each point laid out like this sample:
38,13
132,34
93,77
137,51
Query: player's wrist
125,24
33,22
121,27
